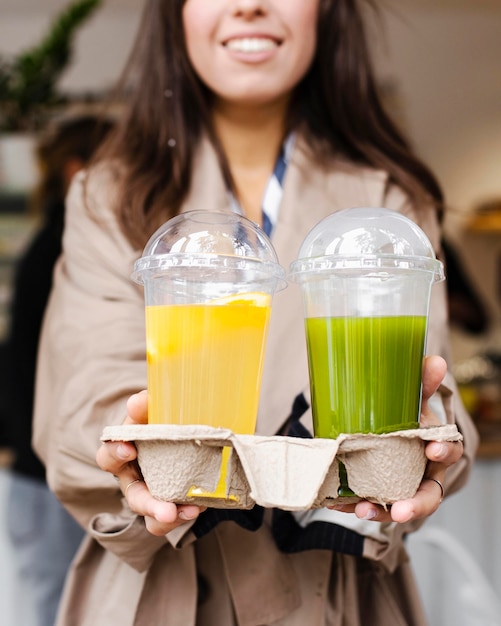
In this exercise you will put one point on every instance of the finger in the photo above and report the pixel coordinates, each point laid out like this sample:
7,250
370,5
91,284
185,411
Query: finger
373,512
425,502
364,510
429,495
343,508
160,517
185,514
444,452
434,370
115,456
137,408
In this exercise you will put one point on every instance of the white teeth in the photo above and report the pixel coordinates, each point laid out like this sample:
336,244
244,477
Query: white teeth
251,44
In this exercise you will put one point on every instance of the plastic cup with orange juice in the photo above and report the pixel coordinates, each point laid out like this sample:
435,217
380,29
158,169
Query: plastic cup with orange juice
209,280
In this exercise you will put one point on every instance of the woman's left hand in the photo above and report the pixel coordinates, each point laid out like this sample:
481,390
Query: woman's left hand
440,456
120,459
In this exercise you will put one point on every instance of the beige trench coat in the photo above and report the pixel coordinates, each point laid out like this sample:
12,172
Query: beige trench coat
92,358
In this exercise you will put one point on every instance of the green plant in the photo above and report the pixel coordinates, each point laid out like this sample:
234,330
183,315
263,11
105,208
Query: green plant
28,82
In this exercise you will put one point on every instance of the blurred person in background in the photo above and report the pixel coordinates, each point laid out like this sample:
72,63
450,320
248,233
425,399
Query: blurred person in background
466,309
43,535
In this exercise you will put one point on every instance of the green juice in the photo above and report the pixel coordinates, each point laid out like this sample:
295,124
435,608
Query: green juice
365,373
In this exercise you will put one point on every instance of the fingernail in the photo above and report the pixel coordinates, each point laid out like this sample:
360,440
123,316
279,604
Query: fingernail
371,514
188,514
122,451
440,450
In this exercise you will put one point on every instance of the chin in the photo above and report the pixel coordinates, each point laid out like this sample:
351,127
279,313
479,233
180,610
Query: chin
256,97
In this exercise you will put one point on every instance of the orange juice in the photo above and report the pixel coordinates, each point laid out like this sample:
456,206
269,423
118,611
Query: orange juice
205,361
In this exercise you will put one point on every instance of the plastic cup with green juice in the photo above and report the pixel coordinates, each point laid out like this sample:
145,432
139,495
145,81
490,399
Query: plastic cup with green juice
366,278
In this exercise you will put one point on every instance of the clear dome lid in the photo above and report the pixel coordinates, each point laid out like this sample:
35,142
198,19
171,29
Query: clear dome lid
366,239
208,240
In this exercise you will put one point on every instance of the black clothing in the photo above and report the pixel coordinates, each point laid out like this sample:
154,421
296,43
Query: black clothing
31,288
466,309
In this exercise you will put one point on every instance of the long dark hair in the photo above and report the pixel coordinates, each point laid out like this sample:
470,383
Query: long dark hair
337,104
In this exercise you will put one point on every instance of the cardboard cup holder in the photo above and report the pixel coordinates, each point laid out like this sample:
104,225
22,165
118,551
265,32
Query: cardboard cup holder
218,468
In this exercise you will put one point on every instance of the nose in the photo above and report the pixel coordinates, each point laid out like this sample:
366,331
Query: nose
249,9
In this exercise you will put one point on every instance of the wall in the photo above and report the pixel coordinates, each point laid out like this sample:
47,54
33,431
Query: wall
442,56
445,62
442,59
101,45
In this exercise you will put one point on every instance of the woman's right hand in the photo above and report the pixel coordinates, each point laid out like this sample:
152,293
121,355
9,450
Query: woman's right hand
120,459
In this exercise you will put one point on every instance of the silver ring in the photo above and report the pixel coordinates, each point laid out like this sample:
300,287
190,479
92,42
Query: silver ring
132,482
440,485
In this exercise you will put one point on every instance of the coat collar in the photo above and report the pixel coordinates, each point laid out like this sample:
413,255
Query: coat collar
312,190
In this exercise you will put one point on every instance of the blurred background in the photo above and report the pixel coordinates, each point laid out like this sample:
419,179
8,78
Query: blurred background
439,65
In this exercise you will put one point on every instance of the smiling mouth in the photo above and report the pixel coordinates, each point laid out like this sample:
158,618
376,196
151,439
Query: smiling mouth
252,44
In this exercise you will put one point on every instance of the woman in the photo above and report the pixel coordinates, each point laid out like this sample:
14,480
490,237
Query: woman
229,94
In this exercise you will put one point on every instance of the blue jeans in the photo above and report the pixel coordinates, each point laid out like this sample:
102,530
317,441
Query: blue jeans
44,538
